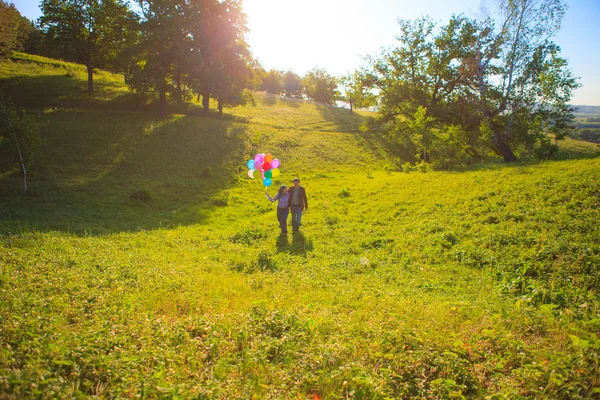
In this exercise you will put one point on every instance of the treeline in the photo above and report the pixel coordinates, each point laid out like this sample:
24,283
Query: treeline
446,94
164,48
16,31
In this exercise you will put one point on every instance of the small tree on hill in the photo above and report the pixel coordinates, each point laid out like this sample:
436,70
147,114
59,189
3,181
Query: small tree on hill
292,84
272,82
320,86
355,91
18,136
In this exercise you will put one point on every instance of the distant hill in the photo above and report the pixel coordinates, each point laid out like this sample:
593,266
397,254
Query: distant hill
587,110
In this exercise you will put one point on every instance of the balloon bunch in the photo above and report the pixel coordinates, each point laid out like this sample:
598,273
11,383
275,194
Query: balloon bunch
263,167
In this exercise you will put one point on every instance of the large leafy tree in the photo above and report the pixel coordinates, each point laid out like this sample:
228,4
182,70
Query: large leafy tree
90,32
320,86
523,86
419,84
163,45
499,82
222,66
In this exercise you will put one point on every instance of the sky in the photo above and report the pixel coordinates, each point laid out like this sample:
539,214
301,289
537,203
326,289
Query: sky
337,34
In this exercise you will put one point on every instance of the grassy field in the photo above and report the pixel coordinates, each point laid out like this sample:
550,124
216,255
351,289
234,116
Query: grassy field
480,283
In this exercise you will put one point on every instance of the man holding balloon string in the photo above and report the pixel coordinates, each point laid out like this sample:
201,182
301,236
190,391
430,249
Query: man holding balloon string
298,203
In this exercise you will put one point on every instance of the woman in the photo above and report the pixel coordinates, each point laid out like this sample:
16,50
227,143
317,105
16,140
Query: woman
283,206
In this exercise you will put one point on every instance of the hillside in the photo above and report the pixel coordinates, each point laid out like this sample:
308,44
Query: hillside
481,283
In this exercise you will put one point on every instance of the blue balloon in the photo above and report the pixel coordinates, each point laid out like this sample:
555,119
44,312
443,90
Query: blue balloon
267,182
250,164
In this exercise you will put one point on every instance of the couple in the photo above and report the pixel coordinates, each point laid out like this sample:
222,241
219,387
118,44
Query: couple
294,198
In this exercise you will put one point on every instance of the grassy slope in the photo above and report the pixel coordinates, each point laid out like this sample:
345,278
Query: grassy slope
477,283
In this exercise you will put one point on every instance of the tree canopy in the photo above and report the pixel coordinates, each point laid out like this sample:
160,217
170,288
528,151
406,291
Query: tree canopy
497,84
90,32
320,86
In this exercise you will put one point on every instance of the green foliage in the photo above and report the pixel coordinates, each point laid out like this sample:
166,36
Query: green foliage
320,86
545,149
354,88
474,74
292,85
272,82
93,33
9,27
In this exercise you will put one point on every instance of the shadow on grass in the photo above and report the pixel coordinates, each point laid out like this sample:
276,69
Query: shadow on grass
53,91
299,246
107,172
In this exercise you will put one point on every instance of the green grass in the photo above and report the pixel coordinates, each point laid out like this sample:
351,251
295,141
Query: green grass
474,284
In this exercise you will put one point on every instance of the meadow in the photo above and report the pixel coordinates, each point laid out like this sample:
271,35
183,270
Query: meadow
145,263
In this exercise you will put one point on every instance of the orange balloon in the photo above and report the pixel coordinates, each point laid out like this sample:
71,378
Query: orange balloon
268,158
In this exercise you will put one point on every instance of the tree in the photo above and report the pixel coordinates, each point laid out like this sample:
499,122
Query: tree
320,86
163,43
223,65
523,85
505,88
272,82
420,79
18,136
90,32
355,91
292,84
10,20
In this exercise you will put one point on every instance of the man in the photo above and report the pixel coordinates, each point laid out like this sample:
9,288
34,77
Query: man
298,203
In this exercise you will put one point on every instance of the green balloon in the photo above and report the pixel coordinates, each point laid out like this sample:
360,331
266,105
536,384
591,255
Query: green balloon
268,174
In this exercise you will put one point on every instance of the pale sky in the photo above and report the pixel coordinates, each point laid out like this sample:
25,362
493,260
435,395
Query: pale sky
337,34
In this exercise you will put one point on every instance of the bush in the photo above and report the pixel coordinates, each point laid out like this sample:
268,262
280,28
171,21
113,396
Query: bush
220,200
141,196
545,150
248,236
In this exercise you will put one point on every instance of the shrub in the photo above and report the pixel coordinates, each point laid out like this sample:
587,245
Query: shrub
141,196
545,150
248,236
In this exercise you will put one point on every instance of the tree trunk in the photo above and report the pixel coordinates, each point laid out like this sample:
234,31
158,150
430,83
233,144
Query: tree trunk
163,102
90,71
198,99
24,170
205,101
350,107
220,105
504,149
21,161
178,81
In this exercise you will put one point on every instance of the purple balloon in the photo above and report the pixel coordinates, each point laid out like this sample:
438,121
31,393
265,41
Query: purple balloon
275,163
258,159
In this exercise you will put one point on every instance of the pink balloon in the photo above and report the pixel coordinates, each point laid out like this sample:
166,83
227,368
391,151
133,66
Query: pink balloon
258,159
258,165
275,163
263,174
